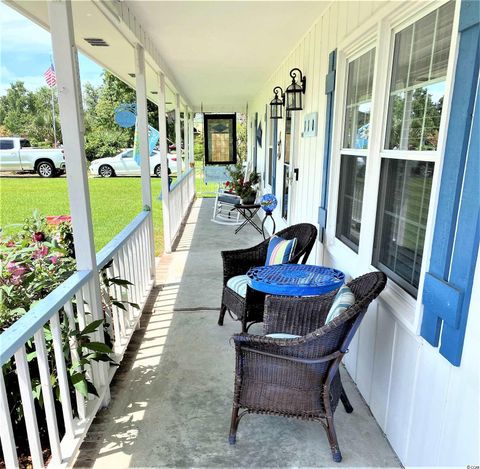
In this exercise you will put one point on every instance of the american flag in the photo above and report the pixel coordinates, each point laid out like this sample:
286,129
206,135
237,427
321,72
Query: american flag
50,76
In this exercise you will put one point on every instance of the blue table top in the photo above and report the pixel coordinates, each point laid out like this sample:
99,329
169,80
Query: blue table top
295,279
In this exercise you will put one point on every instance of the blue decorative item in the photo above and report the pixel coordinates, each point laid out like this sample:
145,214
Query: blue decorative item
268,203
295,279
126,115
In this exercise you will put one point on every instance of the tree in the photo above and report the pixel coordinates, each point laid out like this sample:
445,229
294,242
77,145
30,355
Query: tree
16,108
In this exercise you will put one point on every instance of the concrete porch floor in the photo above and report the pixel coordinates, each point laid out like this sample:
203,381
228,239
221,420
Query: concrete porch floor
172,395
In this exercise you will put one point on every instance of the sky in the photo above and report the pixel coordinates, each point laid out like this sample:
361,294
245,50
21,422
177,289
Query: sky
25,51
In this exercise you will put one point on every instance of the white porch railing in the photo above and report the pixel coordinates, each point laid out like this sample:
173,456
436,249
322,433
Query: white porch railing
127,256
181,196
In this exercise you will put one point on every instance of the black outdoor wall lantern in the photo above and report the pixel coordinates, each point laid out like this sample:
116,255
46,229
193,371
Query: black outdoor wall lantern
293,94
276,104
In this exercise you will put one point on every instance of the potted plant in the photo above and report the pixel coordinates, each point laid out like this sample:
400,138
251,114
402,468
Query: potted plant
246,189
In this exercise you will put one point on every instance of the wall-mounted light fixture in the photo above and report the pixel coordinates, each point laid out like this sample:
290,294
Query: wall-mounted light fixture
276,104
294,92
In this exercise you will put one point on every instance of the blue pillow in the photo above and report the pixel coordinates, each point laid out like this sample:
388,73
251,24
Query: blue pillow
280,250
343,300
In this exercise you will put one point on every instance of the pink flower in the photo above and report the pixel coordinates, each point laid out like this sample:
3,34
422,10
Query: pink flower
54,259
15,269
56,220
10,244
41,252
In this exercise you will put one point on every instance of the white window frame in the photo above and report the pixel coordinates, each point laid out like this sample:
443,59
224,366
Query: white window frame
382,32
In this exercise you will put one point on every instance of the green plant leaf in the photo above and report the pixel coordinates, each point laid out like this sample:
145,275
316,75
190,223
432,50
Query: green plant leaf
92,327
119,304
120,281
98,347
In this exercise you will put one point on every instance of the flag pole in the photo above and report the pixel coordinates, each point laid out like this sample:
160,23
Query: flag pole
53,109
53,119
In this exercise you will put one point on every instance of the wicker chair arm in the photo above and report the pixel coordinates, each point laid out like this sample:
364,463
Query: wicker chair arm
299,316
308,361
238,262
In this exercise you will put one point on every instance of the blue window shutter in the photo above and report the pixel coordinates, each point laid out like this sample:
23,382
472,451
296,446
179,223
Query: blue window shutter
330,92
448,284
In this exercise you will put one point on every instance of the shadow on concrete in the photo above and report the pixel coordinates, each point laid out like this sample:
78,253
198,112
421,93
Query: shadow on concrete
172,397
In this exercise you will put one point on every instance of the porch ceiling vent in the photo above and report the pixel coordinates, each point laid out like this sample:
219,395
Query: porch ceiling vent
96,41
154,92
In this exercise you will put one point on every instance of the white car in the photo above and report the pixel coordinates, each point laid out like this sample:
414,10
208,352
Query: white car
123,164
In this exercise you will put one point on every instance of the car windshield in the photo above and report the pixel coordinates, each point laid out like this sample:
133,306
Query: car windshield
24,143
128,154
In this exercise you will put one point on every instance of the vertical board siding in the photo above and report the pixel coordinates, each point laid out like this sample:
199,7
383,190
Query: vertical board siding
427,408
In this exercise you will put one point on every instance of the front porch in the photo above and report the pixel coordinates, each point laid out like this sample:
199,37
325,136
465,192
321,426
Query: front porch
172,395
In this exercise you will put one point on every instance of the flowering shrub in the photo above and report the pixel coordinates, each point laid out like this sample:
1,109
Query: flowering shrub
33,262
245,188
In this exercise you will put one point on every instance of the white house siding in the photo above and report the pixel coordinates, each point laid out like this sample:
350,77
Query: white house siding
428,408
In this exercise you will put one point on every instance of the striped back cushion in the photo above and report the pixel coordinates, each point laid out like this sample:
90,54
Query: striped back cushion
343,300
280,250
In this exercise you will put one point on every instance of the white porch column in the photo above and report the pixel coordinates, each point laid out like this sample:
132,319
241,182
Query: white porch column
142,119
142,122
192,138
71,120
178,135
162,128
186,143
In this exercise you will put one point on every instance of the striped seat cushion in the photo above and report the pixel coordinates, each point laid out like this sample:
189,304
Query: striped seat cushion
238,284
280,250
343,300
281,335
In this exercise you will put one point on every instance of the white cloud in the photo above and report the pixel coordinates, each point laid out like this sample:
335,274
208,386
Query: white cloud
20,36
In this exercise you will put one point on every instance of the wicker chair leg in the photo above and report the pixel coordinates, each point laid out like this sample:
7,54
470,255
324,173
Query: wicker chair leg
223,309
346,403
232,437
332,439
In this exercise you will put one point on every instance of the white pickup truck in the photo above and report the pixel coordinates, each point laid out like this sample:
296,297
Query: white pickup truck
16,154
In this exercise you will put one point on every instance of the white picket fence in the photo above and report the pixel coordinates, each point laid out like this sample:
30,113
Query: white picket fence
128,256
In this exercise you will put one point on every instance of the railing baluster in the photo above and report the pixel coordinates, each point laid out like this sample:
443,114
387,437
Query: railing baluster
131,271
118,296
6,431
28,407
112,290
62,374
49,403
137,268
123,273
73,344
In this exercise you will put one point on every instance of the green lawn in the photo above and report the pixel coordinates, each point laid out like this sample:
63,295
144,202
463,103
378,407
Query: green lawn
115,202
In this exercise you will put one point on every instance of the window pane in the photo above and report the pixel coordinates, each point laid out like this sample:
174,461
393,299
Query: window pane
402,217
359,101
350,199
418,82
220,141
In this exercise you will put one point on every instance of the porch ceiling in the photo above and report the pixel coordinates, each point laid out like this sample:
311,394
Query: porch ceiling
222,52
218,53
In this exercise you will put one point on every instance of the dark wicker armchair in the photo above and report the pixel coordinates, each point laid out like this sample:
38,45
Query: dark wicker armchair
249,309
299,377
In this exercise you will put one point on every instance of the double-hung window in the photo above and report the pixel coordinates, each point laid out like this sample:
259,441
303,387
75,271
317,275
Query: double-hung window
417,89
356,135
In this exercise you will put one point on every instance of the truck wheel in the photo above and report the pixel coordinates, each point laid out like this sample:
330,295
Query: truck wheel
158,171
106,171
45,169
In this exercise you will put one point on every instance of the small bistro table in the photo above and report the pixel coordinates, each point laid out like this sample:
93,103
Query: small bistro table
248,211
295,279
